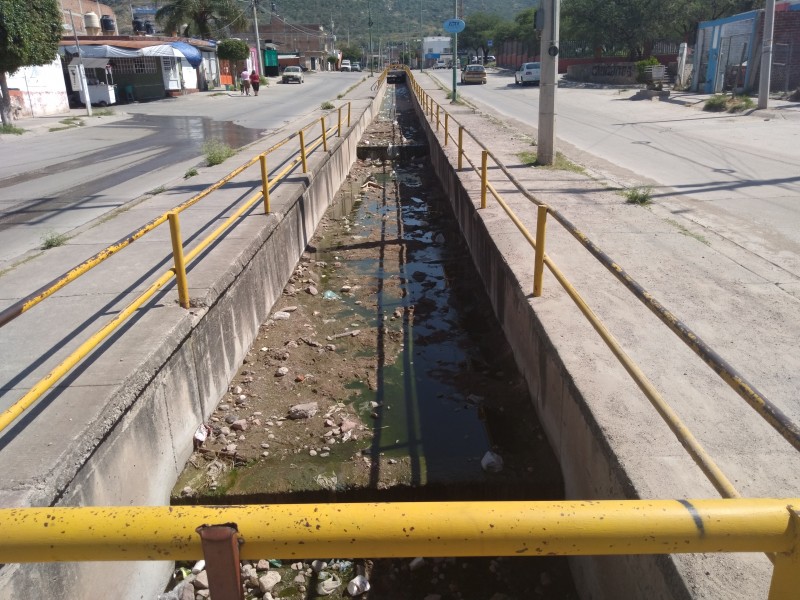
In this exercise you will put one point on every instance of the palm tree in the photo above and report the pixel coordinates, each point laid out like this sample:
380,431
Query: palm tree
204,18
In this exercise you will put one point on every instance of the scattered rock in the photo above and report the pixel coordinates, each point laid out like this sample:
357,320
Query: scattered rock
312,290
262,565
200,582
303,411
282,372
268,581
280,315
240,425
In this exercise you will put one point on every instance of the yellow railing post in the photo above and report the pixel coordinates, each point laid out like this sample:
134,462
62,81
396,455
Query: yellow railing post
303,151
538,268
177,254
348,114
339,124
446,127
264,182
324,134
437,118
460,146
786,570
484,177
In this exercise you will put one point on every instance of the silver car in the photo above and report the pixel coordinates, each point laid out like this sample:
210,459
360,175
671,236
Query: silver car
528,73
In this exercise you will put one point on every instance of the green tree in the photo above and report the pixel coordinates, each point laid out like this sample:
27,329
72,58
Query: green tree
351,53
201,18
233,50
630,24
480,29
690,13
635,24
29,34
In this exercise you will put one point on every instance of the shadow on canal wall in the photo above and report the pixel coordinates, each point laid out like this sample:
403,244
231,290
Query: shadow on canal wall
189,366
588,463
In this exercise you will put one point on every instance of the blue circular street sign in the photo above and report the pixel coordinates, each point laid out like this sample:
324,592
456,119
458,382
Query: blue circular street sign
454,25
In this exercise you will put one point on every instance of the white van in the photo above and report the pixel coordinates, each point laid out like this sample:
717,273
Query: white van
345,66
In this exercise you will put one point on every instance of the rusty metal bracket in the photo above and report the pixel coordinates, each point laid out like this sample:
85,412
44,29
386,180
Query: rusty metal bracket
221,552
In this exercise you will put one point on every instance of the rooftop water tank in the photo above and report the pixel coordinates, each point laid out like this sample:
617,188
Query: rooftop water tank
107,24
92,21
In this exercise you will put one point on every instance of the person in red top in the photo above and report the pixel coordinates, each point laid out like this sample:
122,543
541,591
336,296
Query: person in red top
255,82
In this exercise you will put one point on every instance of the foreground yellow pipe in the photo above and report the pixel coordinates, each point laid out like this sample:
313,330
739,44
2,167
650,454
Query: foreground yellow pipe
403,529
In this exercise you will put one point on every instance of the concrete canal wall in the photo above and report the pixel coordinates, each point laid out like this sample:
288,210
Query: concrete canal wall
586,455
135,449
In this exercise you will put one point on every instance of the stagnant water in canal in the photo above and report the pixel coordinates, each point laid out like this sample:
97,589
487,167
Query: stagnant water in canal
385,332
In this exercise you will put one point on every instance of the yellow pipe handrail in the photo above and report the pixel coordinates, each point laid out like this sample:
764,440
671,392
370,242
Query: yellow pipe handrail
401,529
13,412
777,419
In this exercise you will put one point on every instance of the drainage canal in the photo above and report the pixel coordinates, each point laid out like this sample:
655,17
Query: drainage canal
382,375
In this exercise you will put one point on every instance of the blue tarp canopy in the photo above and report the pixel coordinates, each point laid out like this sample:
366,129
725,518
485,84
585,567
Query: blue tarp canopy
191,53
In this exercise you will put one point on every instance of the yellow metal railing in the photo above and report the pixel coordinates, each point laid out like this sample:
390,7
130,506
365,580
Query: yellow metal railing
180,261
372,530
771,413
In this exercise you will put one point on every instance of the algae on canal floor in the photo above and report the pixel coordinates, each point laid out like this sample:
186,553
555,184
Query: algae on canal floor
385,329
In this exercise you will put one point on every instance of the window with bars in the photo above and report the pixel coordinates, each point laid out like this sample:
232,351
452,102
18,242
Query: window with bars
136,65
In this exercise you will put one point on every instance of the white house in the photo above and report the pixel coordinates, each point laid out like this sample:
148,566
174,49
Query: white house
38,91
437,47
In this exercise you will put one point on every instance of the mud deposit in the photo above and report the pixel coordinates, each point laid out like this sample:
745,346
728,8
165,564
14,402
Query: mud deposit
387,342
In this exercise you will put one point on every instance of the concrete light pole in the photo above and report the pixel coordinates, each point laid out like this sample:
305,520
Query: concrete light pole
455,55
545,151
421,39
258,40
369,24
766,55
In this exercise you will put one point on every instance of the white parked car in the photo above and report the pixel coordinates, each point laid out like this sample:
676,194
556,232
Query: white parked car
292,74
528,73
345,66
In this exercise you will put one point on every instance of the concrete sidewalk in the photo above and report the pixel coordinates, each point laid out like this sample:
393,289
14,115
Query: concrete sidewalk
746,318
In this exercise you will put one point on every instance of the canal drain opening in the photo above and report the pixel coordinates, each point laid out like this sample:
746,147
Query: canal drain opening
384,336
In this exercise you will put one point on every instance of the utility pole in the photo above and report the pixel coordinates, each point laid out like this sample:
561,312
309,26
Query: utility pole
455,54
421,40
545,151
258,40
81,73
766,55
369,24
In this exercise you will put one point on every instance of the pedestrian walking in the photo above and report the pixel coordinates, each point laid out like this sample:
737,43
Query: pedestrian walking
244,79
255,81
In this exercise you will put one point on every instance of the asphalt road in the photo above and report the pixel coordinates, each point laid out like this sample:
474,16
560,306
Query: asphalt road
735,176
54,182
